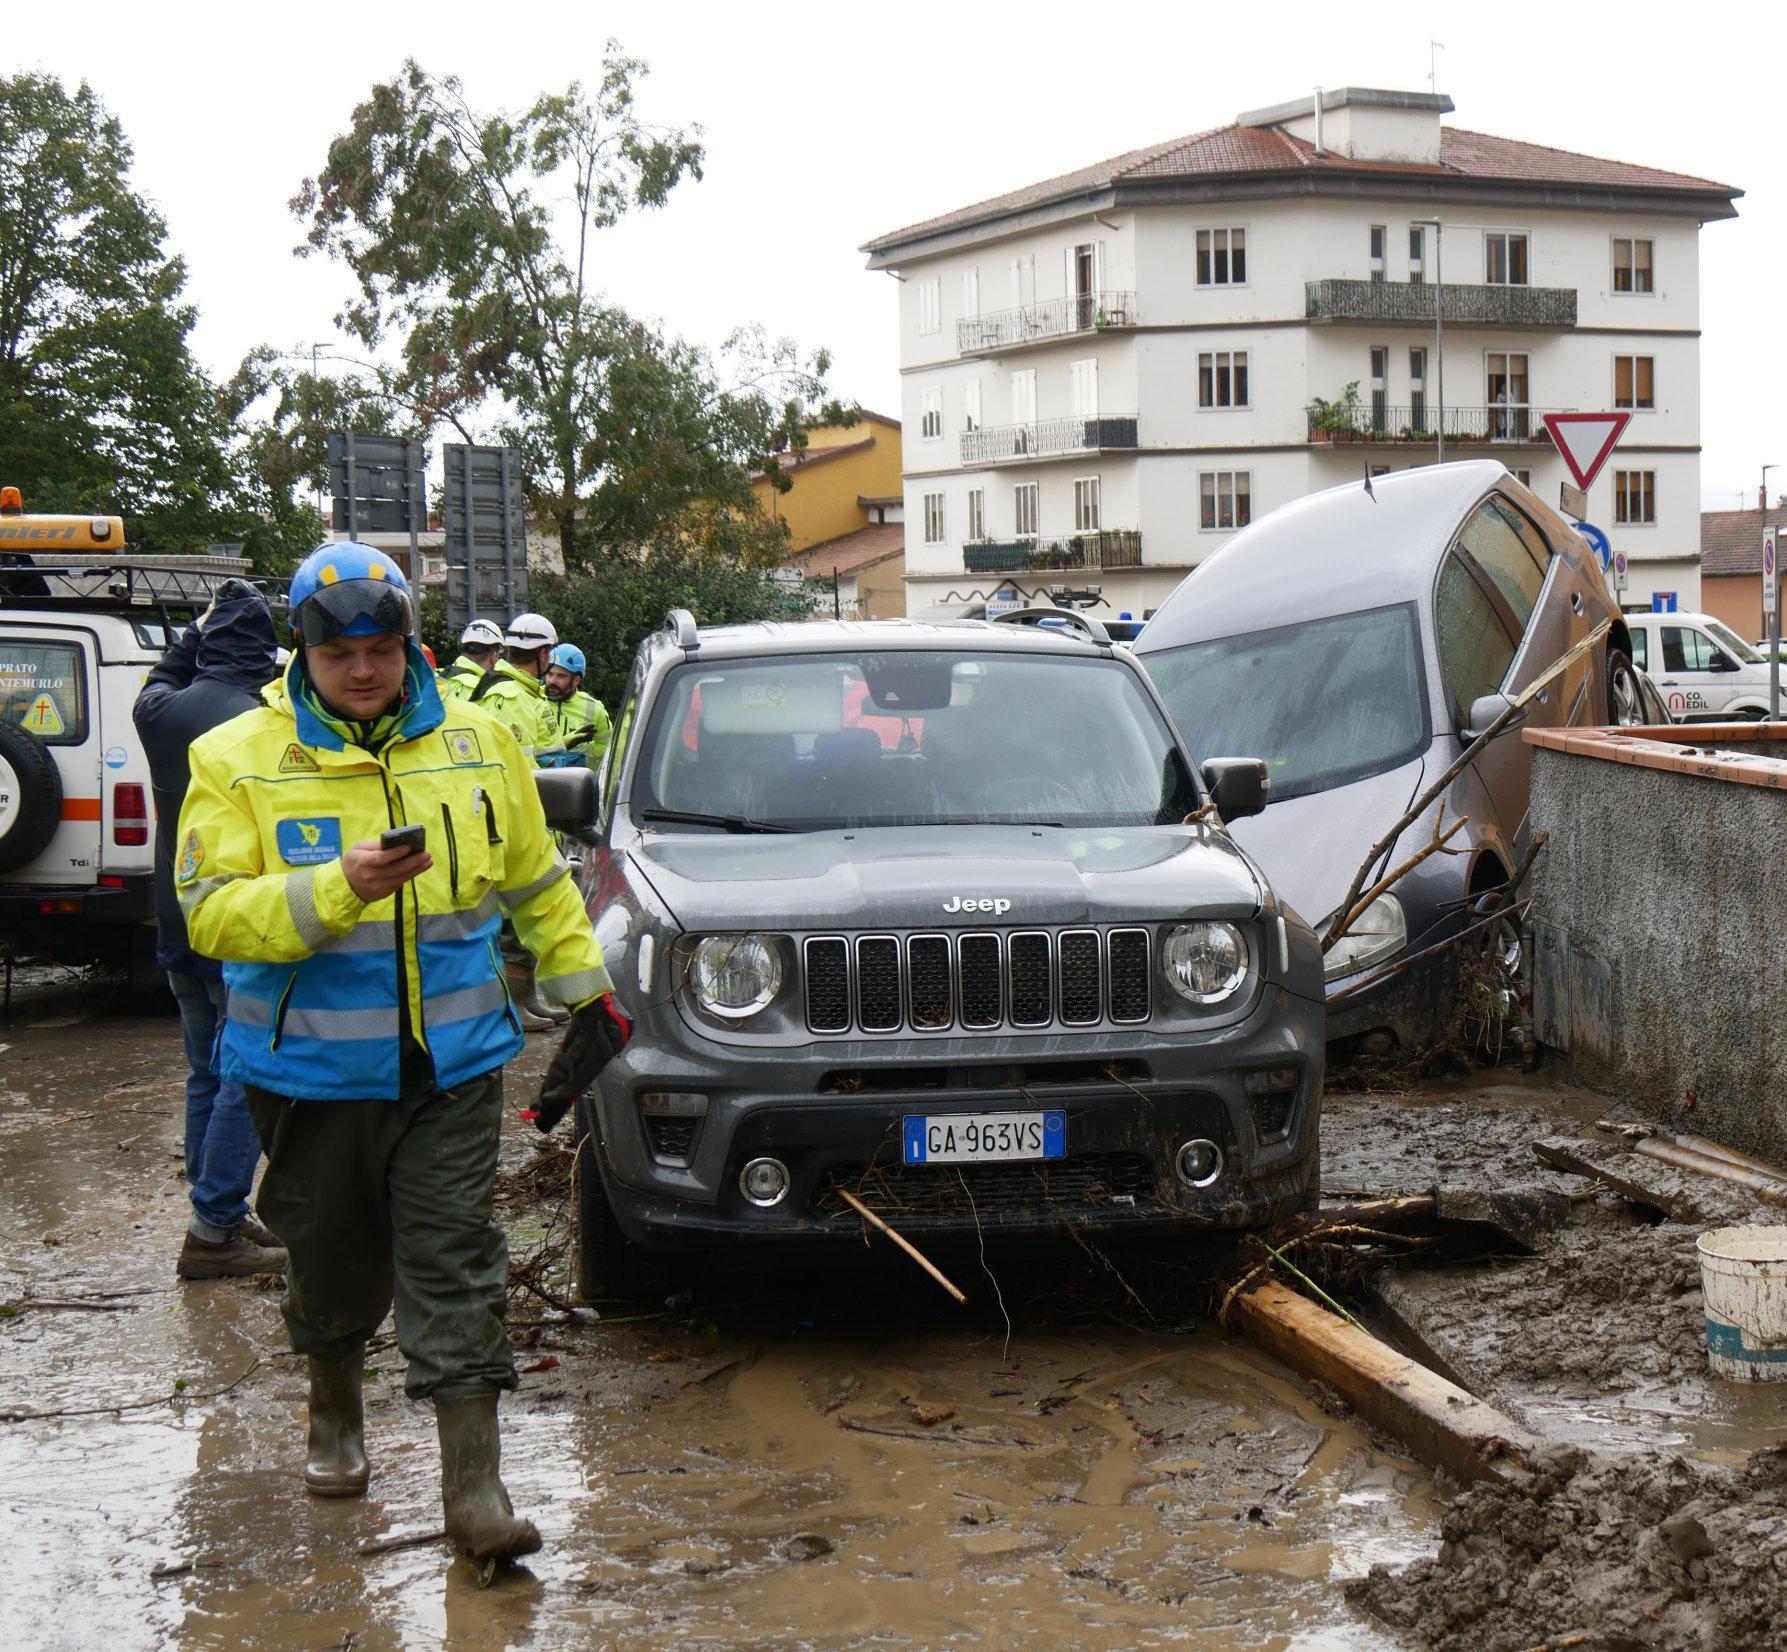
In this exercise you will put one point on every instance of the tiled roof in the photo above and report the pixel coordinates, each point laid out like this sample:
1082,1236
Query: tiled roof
851,552
1731,541
1241,150
806,456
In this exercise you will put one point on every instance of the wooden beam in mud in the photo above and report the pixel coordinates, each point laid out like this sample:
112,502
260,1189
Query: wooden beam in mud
1439,1422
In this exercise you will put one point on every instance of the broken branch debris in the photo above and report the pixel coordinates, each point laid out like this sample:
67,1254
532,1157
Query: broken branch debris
904,1243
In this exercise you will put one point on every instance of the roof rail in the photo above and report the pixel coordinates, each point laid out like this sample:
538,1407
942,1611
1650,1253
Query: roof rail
1053,617
76,580
680,623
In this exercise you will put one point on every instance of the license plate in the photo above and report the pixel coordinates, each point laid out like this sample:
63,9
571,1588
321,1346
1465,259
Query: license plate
981,1138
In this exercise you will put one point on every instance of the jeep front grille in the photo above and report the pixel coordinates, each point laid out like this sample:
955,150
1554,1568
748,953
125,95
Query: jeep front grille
1030,978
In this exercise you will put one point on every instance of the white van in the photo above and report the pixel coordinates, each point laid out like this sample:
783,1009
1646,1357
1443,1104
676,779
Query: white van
81,626
1704,670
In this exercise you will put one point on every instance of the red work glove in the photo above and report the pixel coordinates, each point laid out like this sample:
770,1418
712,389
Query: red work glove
597,1034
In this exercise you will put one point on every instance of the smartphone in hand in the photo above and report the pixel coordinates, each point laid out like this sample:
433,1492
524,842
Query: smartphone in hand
411,839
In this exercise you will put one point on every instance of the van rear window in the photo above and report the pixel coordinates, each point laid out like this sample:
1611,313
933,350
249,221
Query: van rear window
43,689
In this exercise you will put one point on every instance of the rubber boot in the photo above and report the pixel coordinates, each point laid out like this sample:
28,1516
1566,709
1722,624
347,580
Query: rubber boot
529,1011
480,1519
336,1464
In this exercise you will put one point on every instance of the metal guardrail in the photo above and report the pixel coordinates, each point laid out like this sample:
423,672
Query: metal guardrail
1507,425
1030,441
1465,306
1101,548
1053,318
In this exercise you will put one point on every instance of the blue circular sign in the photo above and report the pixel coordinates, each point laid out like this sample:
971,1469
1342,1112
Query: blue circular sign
1598,542
116,757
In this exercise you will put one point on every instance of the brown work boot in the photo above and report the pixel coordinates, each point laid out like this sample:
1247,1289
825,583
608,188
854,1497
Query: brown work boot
534,1014
480,1519
257,1232
231,1258
335,1465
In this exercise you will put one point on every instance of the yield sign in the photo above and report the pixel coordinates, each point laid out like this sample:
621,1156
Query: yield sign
1585,440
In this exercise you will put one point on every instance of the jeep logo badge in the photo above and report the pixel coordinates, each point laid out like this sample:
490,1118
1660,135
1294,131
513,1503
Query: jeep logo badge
998,908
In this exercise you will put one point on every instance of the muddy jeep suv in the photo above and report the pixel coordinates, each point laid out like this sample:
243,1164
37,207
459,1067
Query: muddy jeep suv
939,915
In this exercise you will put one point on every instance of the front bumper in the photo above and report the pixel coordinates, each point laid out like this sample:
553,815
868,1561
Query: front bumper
833,1114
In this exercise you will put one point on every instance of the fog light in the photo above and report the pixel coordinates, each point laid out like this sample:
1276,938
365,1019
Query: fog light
764,1182
1199,1163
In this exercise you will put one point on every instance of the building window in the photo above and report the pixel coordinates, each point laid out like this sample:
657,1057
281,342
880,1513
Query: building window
1222,257
1085,504
971,405
1632,266
1417,254
1634,496
1524,478
977,514
971,293
1504,260
933,519
1506,391
1024,509
1225,499
1380,386
930,305
1379,235
1632,382
1222,378
1082,388
930,421
1418,391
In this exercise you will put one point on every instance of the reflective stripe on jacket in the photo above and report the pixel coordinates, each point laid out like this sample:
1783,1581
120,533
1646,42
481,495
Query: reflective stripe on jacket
316,976
520,702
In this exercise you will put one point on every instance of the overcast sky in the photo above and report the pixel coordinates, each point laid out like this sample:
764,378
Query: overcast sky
827,125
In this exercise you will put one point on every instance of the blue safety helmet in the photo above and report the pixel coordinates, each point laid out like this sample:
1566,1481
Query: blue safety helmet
350,590
567,656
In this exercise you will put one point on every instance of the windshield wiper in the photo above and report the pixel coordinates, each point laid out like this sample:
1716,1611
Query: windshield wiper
982,820
730,823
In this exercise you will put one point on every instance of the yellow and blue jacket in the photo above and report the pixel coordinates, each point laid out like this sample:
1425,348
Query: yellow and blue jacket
323,986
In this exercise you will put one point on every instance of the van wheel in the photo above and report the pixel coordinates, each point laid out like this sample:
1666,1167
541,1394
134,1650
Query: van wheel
609,1264
1625,700
30,797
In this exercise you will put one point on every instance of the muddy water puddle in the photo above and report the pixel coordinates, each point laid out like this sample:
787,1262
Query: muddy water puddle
736,1475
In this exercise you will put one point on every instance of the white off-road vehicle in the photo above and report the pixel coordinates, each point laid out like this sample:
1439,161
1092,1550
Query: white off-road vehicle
81,626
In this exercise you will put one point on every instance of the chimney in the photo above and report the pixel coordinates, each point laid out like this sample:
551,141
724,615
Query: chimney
1318,122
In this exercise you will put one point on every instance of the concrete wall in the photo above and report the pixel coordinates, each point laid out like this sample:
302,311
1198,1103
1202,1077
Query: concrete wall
1660,915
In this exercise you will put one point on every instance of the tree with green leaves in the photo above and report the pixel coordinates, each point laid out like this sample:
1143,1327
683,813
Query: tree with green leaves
473,237
102,408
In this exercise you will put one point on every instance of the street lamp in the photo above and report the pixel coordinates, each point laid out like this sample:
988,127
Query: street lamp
1439,329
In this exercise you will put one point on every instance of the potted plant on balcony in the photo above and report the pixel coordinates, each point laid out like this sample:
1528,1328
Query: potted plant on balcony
1335,421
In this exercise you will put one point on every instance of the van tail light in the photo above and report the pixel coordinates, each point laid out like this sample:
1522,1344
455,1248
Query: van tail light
130,814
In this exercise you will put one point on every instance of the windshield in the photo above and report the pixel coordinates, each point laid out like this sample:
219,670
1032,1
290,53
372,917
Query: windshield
910,738
1324,703
1728,639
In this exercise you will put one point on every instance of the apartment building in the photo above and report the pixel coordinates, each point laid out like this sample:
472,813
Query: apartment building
1107,373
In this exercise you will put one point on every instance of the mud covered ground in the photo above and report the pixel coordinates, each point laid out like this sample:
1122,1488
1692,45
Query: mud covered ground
848,1460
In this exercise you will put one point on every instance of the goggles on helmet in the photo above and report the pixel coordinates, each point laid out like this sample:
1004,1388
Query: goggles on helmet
354,608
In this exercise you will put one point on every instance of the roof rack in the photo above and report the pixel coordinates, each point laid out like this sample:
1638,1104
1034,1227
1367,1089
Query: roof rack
680,623
1054,618
94,580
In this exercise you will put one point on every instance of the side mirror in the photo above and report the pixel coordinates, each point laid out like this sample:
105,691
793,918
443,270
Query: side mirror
1722,661
1238,786
1484,711
568,797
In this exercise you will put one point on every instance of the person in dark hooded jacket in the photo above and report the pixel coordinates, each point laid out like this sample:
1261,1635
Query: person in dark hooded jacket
213,672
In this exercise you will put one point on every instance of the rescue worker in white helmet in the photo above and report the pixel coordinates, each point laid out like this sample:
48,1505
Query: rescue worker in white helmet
347,849
479,645
513,689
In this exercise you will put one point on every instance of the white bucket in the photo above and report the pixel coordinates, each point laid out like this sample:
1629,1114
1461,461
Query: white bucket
1743,1276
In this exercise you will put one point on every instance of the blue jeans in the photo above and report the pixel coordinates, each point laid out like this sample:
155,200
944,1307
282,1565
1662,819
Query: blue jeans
222,1149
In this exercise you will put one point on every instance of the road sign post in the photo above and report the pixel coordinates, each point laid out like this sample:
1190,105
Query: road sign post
1619,573
1771,607
484,495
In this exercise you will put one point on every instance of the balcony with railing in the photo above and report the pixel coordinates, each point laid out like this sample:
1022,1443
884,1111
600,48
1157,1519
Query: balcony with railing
1413,302
1507,425
1097,548
1004,443
1000,330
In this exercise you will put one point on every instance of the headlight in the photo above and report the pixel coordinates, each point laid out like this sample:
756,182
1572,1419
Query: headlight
1205,962
1379,932
734,976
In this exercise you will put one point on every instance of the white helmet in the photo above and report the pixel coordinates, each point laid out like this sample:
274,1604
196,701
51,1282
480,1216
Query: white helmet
482,634
530,631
